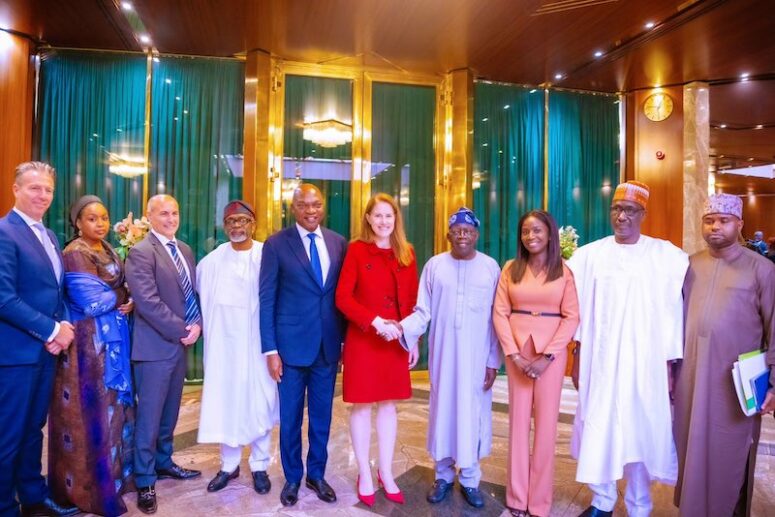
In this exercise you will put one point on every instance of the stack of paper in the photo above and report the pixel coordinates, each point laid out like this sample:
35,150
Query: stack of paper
751,377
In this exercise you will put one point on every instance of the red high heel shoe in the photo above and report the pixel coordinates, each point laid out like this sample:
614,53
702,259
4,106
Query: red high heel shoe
396,497
367,499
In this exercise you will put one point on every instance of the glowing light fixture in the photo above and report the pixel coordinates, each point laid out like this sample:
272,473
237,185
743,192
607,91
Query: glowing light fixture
144,38
650,25
558,76
598,53
328,133
126,166
127,6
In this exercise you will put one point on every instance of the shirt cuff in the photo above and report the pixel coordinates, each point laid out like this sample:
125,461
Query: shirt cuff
53,334
271,352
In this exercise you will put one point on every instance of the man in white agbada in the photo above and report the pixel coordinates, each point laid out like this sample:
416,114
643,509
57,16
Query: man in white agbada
239,398
629,287
456,294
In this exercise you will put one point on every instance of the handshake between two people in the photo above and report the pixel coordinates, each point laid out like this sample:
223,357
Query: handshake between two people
388,330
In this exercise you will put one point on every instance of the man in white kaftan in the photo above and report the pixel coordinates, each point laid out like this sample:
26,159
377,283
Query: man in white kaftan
456,294
239,398
629,287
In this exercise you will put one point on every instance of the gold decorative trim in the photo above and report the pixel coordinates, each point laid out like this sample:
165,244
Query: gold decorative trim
147,129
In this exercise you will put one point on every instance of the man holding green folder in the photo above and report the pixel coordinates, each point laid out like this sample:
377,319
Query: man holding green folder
729,309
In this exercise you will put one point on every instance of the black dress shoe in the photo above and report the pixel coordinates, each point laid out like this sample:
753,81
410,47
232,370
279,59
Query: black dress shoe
177,472
221,479
261,483
48,507
473,496
438,491
595,512
146,499
290,494
322,489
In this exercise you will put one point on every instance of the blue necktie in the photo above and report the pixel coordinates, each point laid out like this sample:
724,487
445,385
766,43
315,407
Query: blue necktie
192,311
314,259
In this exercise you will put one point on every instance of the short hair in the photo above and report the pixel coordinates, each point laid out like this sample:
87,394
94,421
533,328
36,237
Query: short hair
32,165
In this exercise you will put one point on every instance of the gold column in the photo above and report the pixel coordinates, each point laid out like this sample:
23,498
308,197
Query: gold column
546,150
459,146
147,129
258,170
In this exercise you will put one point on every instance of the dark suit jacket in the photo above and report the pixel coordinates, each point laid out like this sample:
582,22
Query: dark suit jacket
31,297
297,315
160,305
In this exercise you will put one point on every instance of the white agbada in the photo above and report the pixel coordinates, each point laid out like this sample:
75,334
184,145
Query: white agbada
239,398
631,324
456,297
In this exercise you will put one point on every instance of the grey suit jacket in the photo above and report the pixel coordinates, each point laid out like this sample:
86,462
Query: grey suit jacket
160,305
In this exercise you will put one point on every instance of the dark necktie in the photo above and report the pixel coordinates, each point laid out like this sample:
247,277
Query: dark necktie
314,259
192,311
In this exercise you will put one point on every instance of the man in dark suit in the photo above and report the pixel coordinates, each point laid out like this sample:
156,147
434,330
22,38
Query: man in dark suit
161,273
33,331
301,335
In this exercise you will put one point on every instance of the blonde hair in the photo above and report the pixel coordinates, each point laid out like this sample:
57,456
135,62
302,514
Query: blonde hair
401,247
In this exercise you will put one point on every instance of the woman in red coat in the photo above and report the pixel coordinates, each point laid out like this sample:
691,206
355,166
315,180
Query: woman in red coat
377,287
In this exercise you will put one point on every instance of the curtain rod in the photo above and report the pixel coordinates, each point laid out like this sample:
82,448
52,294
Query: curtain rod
555,88
49,49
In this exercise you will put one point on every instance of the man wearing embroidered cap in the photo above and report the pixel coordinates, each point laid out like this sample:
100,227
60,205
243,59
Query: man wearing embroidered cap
629,289
239,397
729,305
455,298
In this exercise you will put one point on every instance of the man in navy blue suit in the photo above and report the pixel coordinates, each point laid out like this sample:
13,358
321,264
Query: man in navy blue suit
301,335
33,331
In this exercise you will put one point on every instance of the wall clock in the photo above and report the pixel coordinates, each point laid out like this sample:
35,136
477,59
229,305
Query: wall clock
658,106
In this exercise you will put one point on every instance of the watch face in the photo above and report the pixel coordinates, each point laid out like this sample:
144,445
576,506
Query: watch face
658,106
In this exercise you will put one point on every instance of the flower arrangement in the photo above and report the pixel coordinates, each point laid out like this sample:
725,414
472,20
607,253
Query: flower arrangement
569,241
130,232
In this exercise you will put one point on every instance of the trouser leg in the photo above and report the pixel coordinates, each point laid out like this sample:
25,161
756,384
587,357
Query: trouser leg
520,409
637,495
320,400
230,457
259,452
605,495
291,391
170,411
471,476
445,470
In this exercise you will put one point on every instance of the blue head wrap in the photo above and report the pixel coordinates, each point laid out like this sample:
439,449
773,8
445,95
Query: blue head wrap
464,216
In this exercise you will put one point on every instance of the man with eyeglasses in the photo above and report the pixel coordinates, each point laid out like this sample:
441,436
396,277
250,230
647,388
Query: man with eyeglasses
457,289
301,336
631,331
239,397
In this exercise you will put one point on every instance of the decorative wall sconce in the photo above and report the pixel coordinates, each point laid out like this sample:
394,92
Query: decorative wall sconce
660,155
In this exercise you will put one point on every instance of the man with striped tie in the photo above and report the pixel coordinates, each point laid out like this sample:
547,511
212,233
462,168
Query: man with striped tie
161,273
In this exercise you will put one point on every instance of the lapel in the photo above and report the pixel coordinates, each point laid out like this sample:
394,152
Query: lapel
165,259
32,238
297,247
334,258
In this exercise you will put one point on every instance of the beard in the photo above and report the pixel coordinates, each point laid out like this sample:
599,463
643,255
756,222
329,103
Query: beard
238,238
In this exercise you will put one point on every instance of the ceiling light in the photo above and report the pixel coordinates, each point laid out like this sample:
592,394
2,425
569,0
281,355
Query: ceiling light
144,38
327,133
744,76
650,25
723,126
750,159
598,53
759,126
127,6
558,76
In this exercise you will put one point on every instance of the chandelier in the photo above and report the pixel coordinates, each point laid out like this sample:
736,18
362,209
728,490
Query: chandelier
126,166
328,133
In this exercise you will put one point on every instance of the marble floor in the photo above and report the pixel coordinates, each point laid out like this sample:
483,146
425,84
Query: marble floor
412,467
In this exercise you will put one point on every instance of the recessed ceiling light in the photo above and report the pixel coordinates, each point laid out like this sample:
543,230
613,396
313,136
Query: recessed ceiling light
127,6
598,53
721,156
750,159
744,76
650,25
144,38
558,76
723,126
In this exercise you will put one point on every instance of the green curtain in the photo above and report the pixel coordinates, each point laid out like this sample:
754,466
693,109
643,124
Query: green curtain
403,162
313,99
90,104
583,160
403,157
196,130
508,162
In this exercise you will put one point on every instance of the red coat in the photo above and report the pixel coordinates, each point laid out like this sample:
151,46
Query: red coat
373,284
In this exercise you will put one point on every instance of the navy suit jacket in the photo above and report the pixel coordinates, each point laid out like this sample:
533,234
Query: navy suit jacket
297,315
31,297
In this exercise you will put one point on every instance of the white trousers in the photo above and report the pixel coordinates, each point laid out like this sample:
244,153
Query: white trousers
637,495
469,477
259,455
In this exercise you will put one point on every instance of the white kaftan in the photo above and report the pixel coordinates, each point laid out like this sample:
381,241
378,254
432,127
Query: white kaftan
456,297
239,398
631,325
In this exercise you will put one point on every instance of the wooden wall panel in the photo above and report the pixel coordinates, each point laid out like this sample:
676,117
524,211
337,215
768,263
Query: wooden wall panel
16,97
664,177
759,214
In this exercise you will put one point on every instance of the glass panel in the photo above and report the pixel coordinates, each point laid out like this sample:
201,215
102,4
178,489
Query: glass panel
92,110
319,109
403,157
583,160
508,162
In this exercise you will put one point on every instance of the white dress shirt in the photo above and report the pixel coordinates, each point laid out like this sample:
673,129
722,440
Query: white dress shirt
164,240
320,244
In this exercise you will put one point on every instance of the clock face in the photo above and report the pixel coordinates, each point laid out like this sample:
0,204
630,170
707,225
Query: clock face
658,107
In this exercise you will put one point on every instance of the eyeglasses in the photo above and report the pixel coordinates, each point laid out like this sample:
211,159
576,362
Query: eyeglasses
464,232
237,221
627,210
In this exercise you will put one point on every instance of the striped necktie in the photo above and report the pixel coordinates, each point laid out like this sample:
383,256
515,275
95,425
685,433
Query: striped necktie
192,311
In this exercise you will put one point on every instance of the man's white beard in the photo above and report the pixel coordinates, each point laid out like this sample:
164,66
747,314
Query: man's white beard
238,238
